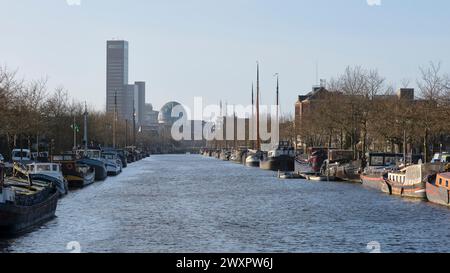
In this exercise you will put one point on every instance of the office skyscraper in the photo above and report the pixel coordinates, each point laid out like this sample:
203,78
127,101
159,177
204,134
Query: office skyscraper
140,101
117,78
130,98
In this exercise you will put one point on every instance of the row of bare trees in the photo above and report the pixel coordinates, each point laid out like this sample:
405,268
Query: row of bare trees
33,117
360,111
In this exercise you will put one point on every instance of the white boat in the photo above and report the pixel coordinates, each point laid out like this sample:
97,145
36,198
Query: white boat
94,158
253,159
113,163
49,172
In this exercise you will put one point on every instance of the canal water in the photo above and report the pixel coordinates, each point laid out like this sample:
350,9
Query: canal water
190,203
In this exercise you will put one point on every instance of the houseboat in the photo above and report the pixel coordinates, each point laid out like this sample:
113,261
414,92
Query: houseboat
24,205
112,162
410,181
94,159
317,158
78,175
438,189
239,155
253,158
123,157
378,165
282,158
50,173
225,155
340,164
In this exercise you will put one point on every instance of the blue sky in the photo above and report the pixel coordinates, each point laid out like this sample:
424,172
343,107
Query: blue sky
208,48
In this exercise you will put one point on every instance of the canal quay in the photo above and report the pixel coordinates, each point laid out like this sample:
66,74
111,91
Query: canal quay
191,203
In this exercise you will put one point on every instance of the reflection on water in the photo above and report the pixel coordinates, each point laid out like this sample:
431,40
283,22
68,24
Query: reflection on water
188,203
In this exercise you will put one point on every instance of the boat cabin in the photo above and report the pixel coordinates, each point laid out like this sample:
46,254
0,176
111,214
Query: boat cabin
39,168
413,174
63,158
283,148
443,180
41,156
383,159
21,155
92,154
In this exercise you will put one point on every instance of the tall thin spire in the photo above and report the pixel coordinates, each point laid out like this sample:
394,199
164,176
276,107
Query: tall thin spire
115,120
85,138
278,90
253,97
252,119
278,95
258,140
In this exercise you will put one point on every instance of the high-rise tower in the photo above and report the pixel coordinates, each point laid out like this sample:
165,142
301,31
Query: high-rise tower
117,77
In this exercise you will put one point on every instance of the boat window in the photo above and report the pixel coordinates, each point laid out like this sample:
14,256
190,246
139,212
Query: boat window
446,184
93,154
55,168
43,168
376,161
58,158
31,168
20,154
440,181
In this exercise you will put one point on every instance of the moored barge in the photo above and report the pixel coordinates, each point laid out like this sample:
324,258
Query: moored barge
410,181
78,175
438,189
282,158
378,165
24,206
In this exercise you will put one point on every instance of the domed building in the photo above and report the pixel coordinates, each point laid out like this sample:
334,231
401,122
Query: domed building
165,114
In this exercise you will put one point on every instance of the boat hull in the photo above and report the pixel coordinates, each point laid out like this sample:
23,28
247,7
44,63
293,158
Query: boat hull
15,220
99,166
438,195
318,178
112,170
76,182
347,173
373,182
62,186
254,164
283,164
410,191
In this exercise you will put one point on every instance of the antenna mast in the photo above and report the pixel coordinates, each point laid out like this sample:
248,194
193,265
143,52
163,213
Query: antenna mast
258,140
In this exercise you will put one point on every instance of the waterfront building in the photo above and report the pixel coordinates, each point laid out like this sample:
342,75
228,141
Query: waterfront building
307,105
